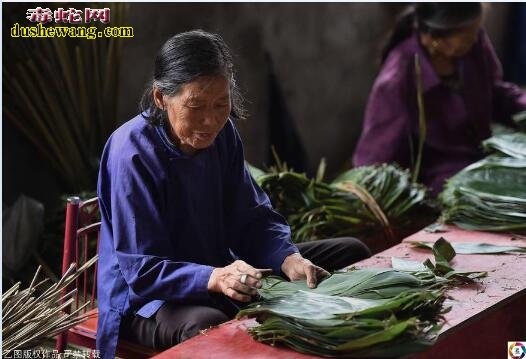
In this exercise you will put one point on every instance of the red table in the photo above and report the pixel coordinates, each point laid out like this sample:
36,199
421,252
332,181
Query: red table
483,317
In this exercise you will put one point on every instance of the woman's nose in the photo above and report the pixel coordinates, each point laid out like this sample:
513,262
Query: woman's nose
210,118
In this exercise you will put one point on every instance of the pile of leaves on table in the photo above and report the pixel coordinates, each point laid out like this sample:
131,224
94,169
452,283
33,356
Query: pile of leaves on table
370,312
358,201
490,194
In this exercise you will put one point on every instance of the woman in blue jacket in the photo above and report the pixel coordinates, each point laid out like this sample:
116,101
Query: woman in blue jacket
184,226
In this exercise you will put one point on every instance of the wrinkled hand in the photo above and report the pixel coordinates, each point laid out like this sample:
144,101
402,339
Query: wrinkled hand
227,280
296,267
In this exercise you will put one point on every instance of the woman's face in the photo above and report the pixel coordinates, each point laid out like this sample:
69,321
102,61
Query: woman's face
198,112
458,43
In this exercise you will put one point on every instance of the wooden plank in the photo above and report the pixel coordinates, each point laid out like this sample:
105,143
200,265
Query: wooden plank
478,310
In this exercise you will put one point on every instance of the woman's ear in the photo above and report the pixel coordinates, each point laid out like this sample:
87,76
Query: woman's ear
158,98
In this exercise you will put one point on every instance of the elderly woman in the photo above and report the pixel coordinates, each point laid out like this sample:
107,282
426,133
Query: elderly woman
462,87
185,229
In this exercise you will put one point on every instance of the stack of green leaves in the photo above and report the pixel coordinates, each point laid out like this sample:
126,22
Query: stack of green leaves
390,186
315,209
368,312
349,327
367,283
508,144
488,195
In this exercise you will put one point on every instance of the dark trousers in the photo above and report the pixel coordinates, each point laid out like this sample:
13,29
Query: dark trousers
173,324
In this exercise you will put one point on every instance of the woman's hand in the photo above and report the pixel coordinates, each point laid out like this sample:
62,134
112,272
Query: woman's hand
296,267
238,281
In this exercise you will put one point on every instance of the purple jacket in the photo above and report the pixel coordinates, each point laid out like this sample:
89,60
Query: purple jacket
457,122
169,218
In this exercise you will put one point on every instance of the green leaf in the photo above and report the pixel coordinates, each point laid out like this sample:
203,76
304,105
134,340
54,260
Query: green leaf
375,283
511,144
375,338
320,173
443,249
254,171
476,248
406,265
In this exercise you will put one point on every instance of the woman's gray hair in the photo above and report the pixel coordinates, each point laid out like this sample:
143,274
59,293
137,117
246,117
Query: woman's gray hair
184,58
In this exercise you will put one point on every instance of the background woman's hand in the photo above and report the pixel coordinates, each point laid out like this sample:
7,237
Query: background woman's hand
228,280
296,267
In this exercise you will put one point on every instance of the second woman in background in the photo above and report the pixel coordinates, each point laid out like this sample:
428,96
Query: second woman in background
462,88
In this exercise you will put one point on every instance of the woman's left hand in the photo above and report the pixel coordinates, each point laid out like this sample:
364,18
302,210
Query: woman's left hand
296,267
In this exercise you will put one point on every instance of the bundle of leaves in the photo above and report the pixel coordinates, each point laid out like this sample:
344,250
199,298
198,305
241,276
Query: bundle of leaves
349,327
390,186
489,195
358,201
368,312
508,144
367,283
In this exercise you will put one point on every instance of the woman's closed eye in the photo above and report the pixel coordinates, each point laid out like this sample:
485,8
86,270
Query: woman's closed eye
222,104
194,106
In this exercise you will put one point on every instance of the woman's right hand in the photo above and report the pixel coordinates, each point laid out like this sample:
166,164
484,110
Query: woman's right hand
228,280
